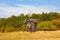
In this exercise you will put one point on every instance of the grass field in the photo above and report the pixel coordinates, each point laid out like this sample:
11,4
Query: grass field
39,35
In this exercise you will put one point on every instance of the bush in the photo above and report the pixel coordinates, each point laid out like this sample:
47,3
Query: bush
46,25
57,23
23,27
9,29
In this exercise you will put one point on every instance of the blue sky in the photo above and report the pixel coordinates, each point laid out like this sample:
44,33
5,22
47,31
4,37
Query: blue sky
16,7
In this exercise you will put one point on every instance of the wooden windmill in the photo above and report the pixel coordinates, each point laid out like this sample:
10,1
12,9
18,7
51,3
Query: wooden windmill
31,24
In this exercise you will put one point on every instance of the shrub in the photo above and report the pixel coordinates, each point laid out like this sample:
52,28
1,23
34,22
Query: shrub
46,25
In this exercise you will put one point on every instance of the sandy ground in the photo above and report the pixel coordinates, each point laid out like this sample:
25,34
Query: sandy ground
39,35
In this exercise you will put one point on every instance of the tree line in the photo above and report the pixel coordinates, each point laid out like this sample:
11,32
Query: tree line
46,21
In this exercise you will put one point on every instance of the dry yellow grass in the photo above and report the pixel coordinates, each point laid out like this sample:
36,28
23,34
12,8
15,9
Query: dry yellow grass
39,35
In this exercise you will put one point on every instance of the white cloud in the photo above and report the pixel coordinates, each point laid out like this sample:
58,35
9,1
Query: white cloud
7,10
38,9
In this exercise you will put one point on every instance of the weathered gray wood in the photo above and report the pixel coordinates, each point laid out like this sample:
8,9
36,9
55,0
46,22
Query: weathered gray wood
31,25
